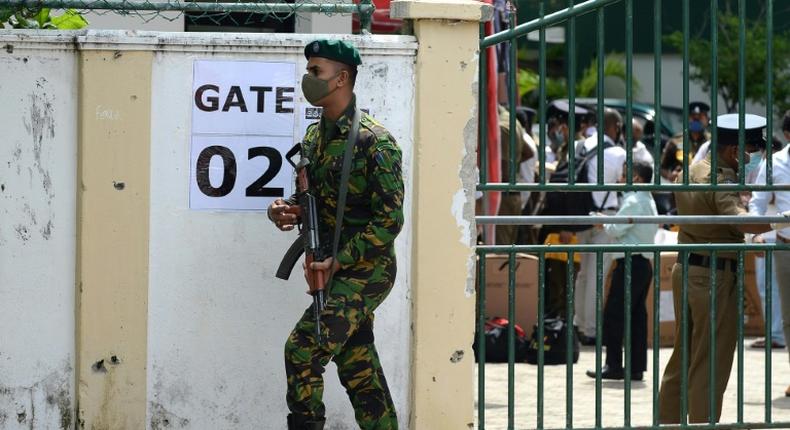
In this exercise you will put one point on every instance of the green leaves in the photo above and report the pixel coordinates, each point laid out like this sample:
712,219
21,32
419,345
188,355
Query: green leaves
70,20
41,18
5,14
557,87
700,52
614,66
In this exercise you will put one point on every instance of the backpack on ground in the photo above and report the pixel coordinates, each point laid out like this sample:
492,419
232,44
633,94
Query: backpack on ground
573,203
496,341
555,344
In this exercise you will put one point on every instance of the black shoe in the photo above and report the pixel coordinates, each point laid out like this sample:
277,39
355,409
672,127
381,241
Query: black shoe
637,376
608,373
301,422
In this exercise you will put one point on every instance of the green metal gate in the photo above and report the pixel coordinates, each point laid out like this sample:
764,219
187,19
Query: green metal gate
568,17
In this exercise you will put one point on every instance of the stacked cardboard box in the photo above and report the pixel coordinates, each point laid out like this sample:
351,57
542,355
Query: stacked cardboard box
526,295
526,291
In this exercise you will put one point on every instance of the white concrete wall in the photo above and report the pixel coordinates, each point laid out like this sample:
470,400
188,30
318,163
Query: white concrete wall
218,317
38,165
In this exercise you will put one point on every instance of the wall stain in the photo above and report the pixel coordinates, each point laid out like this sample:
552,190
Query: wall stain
39,121
379,70
161,418
22,232
25,402
232,418
30,214
62,401
46,232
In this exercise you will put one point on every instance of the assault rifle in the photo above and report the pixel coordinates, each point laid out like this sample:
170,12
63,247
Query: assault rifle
308,241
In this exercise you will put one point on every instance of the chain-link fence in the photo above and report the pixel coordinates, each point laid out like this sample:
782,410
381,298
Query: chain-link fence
228,12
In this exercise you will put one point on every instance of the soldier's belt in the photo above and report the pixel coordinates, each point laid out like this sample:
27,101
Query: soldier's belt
705,261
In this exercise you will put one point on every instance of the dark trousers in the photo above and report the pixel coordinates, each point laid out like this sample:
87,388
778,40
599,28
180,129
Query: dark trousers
614,314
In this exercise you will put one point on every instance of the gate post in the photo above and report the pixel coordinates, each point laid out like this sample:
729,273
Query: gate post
445,174
112,239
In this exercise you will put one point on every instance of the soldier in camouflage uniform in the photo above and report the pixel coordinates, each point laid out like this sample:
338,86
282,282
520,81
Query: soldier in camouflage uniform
364,270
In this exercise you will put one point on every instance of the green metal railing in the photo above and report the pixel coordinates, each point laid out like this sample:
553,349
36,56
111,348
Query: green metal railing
568,17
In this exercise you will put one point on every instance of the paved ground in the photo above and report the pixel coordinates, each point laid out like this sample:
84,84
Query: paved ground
613,393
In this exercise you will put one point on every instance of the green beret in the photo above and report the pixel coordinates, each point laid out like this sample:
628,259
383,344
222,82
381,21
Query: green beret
335,50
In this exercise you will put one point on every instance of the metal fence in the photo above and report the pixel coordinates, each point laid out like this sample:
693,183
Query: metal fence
214,10
514,34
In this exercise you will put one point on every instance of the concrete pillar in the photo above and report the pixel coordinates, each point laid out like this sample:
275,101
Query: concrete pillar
112,256
445,142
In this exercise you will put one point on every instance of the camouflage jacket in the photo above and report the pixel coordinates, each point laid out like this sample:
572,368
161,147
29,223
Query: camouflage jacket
373,215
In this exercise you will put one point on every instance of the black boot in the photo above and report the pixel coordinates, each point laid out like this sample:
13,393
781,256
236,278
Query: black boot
301,422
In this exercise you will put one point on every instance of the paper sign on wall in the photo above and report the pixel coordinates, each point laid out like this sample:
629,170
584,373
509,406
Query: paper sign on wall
243,119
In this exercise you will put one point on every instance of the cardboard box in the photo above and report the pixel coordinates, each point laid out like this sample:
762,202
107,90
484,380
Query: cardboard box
526,295
526,291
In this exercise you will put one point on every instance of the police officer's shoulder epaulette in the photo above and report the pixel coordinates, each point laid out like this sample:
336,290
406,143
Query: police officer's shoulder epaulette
726,176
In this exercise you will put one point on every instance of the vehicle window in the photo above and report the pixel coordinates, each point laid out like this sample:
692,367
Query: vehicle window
673,118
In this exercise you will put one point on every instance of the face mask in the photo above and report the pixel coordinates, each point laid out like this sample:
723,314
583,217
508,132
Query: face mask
315,89
755,158
696,126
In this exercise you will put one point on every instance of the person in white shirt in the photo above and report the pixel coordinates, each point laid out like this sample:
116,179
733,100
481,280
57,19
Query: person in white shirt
526,169
752,171
527,234
759,205
634,203
701,153
613,159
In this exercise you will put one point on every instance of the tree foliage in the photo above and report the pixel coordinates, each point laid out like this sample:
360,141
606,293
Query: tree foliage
700,52
557,87
41,18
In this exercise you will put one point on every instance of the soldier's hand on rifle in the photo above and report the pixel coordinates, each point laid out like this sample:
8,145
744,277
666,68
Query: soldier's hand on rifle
325,265
320,265
282,215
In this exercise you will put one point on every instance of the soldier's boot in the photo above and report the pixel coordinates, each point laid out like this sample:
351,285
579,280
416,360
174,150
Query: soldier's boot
301,422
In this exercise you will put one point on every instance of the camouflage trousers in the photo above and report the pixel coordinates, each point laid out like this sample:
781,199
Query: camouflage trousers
346,339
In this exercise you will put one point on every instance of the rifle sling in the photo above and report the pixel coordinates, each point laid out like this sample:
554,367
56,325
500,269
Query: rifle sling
341,198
